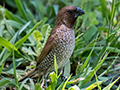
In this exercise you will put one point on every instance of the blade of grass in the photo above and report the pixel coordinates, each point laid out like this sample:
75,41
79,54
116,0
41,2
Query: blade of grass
95,69
29,14
5,53
112,17
117,4
14,24
110,49
23,28
23,83
109,41
109,67
118,87
111,84
9,28
60,86
32,85
66,82
1,68
55,65
21,41
100,54
86,61
10,15
93,85
3,82
14,68
7,80
40,9
104,7
97,81
7,44
1,30
21,9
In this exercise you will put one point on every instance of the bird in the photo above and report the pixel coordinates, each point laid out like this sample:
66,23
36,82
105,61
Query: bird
61,42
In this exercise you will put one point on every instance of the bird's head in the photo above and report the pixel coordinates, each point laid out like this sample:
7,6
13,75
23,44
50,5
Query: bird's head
68,15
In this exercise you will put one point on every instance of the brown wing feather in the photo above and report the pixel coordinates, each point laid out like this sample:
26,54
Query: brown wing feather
50,44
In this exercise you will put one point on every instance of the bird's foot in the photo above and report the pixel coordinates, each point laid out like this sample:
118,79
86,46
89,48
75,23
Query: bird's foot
46,82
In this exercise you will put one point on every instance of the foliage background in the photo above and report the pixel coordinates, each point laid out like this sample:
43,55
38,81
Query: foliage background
25,26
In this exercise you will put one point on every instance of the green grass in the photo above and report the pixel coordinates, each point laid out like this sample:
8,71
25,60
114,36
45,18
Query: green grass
25,27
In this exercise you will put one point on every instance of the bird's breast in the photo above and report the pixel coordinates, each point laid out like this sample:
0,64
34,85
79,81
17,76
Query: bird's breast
65,46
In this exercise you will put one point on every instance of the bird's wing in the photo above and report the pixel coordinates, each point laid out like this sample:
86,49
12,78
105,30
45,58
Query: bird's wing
50,44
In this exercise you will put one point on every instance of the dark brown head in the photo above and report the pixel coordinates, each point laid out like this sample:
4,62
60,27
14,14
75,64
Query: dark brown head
68,15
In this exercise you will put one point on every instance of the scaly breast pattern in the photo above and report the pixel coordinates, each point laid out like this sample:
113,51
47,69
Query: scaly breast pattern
63,50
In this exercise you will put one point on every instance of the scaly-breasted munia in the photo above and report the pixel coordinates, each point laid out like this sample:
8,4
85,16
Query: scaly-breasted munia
61,42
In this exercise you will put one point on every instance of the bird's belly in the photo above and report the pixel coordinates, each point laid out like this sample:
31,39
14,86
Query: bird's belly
64,53
62,50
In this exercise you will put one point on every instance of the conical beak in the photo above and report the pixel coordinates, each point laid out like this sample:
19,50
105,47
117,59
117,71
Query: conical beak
79,12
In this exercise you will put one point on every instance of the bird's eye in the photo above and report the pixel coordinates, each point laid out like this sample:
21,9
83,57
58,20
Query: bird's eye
70,11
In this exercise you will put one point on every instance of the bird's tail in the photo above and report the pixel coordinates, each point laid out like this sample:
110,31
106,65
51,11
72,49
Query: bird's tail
30,74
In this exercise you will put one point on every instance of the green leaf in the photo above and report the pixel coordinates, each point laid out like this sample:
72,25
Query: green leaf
117,4
4,81
44,29
21,41
18,62
23,83
56,8
67,69
31,16
66,82
79,68
108,87
118,88
95,69
75,87
9,28
92,18
32,85
1,68
14,67
11,16
55,65
21,9
14,24
93,85
23,27
7,44
5,53
53,76
29,51
37,86
97,81
86,61
37,36
1,30
40,8
90,33
104,7
110,66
